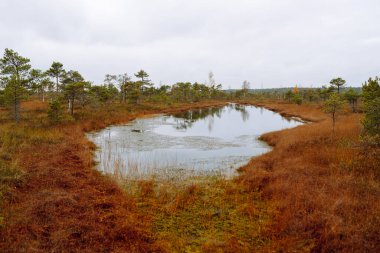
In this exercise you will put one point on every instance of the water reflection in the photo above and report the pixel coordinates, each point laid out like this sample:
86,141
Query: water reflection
211,140
185,120
244,112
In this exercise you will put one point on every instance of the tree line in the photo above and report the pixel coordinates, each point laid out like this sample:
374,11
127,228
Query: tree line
18,81
59,87
332,98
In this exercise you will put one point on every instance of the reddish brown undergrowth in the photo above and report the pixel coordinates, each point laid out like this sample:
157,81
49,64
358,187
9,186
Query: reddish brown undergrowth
320,190
62,204
323,190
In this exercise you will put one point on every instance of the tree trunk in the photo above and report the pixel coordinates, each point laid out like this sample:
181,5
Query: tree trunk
72,105
57,84
17,110
333,116
16,103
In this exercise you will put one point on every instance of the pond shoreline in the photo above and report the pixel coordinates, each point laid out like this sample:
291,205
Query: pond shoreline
179,208
283,195
307,173
215,148
58,179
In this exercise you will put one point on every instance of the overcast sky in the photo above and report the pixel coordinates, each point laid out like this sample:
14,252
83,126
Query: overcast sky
270,43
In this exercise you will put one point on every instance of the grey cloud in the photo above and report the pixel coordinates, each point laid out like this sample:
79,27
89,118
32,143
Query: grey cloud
269,42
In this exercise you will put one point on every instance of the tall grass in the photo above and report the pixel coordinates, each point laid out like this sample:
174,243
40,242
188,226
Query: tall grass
53,199
202,214
314,192
321,187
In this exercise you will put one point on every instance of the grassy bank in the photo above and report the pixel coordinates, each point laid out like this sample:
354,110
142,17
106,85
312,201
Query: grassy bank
314,192
51,197
322,188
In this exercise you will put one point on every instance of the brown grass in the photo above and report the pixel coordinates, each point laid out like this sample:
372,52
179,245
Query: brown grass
202,214
322,194
62,203
315,192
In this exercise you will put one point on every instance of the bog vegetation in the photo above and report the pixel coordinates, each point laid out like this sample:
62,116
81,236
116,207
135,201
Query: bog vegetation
52,199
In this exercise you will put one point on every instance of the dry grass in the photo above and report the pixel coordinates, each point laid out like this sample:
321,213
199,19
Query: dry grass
52,198
323,195
314,192
202,214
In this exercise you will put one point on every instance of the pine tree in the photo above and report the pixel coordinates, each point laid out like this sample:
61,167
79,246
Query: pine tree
15,70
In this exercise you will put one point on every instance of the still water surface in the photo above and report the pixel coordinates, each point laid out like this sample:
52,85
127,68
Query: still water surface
202,141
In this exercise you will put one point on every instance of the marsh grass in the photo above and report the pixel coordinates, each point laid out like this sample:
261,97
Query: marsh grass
311,193
10,176
321,188
113,160
202,214
52,199
12,139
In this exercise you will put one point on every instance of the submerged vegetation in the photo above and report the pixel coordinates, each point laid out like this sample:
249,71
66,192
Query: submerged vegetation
315,192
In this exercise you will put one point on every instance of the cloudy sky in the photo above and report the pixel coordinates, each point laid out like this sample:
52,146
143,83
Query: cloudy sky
271,43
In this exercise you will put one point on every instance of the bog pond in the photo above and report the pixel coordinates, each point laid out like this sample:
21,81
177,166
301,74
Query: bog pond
198,142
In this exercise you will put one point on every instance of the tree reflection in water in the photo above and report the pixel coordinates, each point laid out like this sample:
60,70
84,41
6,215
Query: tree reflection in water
242,109
186,119
211,140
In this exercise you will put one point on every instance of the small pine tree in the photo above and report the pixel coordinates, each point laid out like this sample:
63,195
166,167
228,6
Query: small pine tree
371,121
55,111
352,97
296,98
288,95
332,106
14,70
338,82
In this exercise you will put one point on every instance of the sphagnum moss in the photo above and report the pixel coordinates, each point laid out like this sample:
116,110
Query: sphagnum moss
202,213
